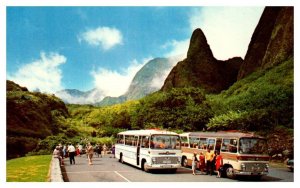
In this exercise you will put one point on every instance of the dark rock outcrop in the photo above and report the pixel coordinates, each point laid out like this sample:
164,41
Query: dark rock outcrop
201,69
272,41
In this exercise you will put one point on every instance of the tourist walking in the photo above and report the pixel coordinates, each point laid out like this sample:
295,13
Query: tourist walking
90,152
71,150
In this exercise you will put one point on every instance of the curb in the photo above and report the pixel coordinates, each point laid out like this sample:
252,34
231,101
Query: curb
55,171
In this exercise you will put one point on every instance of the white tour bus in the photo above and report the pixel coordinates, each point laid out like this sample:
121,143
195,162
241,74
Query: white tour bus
149,149
243,153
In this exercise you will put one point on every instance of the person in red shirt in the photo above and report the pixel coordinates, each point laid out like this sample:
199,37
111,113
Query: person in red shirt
219,163
201,162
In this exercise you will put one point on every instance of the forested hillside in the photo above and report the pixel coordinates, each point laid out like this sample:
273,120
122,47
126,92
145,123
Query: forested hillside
31,116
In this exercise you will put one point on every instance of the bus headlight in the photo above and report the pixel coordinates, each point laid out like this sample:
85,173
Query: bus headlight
243,167
179,160
153,160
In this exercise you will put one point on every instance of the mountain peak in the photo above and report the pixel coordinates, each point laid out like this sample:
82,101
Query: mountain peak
201,69
199,46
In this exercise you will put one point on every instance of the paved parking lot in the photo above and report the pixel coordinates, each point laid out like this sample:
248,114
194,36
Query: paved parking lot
108,169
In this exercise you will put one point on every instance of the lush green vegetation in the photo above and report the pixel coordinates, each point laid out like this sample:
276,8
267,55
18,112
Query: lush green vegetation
28,169
262,102
31,116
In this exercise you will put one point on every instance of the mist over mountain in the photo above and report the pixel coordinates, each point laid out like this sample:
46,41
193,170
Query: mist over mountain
147,80
74,96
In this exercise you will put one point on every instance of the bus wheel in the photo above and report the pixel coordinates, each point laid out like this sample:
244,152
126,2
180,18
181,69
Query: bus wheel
144,167
184,162
229,172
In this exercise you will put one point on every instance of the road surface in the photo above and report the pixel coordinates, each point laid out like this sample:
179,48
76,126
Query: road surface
108,169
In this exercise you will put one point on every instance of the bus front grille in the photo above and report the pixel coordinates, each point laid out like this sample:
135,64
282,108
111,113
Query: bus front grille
165,160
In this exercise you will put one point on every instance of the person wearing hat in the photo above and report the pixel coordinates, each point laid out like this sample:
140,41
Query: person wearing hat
56,154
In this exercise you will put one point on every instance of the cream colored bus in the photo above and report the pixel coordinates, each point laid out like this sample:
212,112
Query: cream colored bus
149,149
243,153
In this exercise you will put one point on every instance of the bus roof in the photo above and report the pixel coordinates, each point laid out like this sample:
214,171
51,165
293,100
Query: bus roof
222,134
147,132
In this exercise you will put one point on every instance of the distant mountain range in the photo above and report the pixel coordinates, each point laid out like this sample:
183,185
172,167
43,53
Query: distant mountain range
148,79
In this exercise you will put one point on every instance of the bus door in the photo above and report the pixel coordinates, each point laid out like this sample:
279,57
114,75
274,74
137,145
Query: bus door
138,145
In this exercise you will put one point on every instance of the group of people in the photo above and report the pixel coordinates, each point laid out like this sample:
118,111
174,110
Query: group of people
211,161
70,151
90,151
62,152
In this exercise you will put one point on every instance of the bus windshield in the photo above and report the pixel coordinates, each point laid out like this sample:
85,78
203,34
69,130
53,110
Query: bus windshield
165,142
253,146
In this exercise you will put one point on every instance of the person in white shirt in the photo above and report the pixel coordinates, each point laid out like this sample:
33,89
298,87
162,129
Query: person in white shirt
71,150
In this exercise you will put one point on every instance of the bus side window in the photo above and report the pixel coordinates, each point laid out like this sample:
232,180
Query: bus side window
184,141
145,142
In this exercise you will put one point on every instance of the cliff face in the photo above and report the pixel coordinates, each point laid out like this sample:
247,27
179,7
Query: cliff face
272,41
201,69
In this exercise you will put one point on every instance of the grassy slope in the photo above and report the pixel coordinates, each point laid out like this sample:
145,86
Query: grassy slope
28,169
269,89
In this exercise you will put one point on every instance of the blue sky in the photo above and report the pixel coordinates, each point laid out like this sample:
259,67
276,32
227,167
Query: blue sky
54,48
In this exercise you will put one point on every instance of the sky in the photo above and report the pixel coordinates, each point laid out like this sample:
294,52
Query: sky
55,48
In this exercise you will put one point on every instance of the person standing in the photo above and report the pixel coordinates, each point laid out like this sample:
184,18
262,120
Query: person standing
104,149
97,150
57,154
113,151
100,150
219,164
194,163
90,152
209,156
71,150
201,162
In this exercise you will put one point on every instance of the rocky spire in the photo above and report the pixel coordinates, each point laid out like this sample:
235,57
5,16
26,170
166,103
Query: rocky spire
201,69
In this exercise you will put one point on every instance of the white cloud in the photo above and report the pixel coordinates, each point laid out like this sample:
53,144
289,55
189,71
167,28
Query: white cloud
228,29
90,98
159,79
177,48
43,74
103,37
113,83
